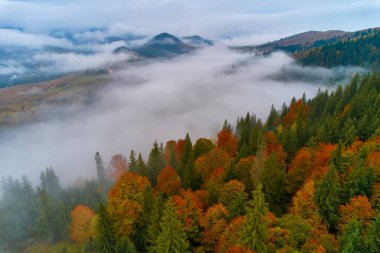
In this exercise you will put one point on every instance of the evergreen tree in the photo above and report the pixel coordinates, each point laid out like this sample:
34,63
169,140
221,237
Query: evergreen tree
125,246
105,236
327,197
156,162
270,124
141,167
351,240
100,168
373,239
172,238
272,179
184,160
360,182
254,233
133,162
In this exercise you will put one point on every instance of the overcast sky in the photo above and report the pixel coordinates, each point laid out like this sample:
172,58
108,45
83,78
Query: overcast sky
254,20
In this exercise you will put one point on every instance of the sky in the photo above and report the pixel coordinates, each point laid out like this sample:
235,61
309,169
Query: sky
246,21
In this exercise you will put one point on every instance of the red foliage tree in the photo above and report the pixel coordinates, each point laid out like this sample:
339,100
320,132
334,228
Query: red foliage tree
227,141
118,166
168,181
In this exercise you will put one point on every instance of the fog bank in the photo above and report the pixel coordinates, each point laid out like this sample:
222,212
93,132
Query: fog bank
160,101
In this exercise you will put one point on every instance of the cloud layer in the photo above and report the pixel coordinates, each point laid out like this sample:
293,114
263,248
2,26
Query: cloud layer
160,100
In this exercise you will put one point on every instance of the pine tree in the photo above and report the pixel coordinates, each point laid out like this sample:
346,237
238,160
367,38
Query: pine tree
100,168
156,162
327,197
132,162
351,239
184,160
104,231
172,238
254,233
373,240
141,166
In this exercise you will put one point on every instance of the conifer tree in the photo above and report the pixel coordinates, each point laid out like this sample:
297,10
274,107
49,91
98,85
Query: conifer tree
156,162
351,239
327,197
373,240
104,231
184,160
132,162
254,233
141,166
100,168
172,238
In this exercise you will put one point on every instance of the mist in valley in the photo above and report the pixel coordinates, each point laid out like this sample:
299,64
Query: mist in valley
157,100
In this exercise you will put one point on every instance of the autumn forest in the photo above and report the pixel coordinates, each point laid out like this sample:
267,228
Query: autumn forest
306,179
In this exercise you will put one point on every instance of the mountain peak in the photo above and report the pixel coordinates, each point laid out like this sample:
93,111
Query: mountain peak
165,38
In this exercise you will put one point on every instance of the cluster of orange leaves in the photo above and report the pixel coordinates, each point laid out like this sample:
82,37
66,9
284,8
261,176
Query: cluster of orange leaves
82,222
126,201
168,181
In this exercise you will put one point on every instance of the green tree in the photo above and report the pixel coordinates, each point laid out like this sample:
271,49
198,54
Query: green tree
105,236
254,233
327,197
172,238
100,168
132,162
156,162
351,240
373,240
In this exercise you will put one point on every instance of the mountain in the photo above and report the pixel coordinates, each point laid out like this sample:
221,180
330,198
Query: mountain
197,41
362,50
306,40
163,45
327,49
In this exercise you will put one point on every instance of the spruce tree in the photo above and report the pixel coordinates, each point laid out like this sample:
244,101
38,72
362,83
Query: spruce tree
132,162
351,240
104,231
156,162
327,196
100,168
254,233
187,148
373,240
172,238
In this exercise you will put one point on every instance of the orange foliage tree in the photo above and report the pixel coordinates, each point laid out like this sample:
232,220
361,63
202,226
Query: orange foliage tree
239,249
188,206
214,224
126,202
298,171
297,109
81,224
242,171
321,159
227,241
359,208
305,206
168,181
207,164
227,141
273,146
118,166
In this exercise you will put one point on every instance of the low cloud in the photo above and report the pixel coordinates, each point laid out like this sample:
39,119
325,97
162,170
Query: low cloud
159,100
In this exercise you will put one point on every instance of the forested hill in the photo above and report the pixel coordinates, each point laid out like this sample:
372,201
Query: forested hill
329,49
305,180
361,51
